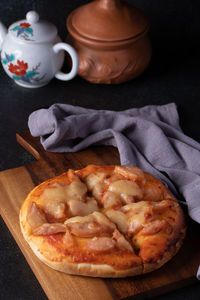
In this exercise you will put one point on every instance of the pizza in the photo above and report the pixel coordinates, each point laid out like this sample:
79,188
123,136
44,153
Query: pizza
103,221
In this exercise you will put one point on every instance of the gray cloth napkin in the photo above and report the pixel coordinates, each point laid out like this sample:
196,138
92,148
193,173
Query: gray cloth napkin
148,137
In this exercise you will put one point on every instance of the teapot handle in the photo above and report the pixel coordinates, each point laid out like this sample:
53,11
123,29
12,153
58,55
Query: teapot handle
75,61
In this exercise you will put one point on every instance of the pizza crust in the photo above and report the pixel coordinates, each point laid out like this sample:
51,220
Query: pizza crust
173,250
63,264
87,269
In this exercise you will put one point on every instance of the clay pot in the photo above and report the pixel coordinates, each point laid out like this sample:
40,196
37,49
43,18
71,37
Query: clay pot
111,39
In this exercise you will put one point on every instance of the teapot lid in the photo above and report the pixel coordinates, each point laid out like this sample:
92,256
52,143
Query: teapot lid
32,29
108,20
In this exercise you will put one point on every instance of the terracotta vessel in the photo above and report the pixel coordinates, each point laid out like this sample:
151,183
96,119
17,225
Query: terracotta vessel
111,39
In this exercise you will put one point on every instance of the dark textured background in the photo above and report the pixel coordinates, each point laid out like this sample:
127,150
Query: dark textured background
173,75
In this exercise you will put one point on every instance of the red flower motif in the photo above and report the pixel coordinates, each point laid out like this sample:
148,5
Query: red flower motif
19,69
25,25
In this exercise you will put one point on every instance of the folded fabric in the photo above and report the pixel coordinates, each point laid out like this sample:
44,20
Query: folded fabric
148,137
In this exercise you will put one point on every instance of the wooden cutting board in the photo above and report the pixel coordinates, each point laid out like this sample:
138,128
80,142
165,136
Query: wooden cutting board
15,185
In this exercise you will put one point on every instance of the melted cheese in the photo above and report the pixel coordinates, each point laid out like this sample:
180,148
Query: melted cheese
100,244
131,218
95,183
79,219
118,218
103,220
55,197
78,208
126,187
96,217
95,178
76,190
138,215
110,199
55,193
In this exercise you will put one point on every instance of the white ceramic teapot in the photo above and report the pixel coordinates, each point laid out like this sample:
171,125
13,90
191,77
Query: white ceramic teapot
32,52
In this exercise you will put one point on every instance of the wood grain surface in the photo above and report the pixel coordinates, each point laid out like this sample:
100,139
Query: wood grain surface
15,185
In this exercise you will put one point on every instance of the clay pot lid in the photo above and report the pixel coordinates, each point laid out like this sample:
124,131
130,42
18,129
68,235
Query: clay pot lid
107,20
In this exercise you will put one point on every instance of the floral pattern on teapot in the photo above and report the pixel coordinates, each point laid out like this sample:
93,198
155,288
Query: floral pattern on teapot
24,30
20,69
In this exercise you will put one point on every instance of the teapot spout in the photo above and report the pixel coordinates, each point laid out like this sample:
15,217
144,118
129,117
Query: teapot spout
3,33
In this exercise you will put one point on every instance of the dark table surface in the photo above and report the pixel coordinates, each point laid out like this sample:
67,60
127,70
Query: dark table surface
173,76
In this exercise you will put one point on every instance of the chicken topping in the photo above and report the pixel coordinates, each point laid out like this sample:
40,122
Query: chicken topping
47,229
162,206
132,173
153,191
105,244
87,229
126,187
35,215
122,243
111,199
89,226
101,244
154,227
114,177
